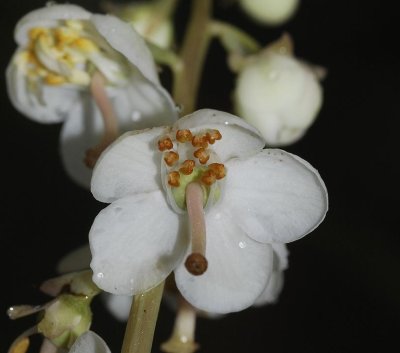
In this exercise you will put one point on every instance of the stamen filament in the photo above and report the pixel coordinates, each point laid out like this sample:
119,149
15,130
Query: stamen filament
182,338
21,343
99,94
196,263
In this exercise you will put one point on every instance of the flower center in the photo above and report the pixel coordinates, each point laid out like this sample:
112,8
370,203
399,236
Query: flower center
68,54
192,179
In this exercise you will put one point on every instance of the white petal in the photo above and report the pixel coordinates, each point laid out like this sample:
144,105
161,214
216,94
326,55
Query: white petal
274,196
272,290
238,269
89,342
238,137
77,260
130,165
118,305
136,242
47,17
123,38
49,104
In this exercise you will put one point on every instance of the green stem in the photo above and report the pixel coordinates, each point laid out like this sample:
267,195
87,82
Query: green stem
142,321
193,52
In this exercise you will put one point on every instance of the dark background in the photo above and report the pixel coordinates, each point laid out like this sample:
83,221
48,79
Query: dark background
342,290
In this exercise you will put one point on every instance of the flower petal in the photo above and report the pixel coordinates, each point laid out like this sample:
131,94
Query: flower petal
89,342
136,242
238,137
129,166
275,284
43,103
118,305
274,196
238,269
77,260
47,17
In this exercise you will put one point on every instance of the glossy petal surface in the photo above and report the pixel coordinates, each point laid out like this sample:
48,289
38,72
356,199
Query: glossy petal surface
274,196
129,166
89,342
135,242
238,269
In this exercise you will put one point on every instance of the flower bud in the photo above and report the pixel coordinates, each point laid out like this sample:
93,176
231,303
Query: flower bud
270,12
278,94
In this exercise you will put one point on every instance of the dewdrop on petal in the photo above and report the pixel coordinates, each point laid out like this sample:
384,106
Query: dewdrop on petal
278,94
270,12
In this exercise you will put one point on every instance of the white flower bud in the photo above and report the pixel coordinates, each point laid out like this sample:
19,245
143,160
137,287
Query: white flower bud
270,12
279,95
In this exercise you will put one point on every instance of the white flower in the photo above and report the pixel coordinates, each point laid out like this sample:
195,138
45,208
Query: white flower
92,71
278,94
270,12
267,196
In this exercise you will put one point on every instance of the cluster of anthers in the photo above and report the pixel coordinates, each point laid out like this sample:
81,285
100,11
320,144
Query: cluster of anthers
208,174
60,55
191,182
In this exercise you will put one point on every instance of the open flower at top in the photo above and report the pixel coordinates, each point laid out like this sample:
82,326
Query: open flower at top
92,71
203,199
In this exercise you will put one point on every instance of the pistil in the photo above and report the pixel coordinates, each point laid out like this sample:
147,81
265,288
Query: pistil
99,94
196,263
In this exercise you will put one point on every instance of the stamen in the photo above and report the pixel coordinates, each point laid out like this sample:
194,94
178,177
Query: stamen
18,311
182,338
184,136
187,167
213,135
196,263
202,155
218,169
208,178
200,141
21,343
165,144
173,179
171,158
97,88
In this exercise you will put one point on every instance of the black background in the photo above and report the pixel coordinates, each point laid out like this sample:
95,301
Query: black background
342,290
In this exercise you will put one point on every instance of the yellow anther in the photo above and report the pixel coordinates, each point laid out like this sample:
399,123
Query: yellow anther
21,347
173,179
202,155
85,45
165,144
208,178
218,169
184,136
171,158
213,135
35,32
187,167
200,141
53,79
64,36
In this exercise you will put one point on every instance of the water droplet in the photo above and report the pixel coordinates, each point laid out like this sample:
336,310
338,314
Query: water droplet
242,244
100,275
136,115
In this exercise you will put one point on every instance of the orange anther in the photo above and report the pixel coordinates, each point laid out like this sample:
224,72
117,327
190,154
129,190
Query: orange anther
184,136
187,167
200,141
173,179
171,158
165,144
202,155
218,169
208,177
213,135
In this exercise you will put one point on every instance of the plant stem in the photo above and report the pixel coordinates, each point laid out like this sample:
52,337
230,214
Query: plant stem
142,321
192,54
